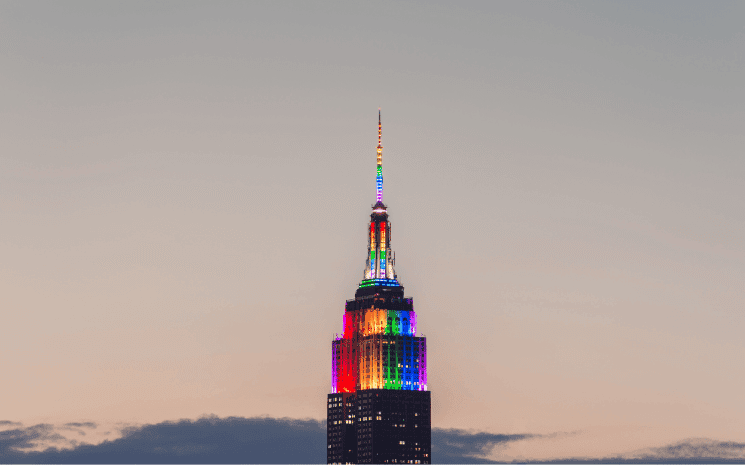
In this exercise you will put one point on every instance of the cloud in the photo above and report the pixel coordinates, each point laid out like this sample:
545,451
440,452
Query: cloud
206,440
283,440
686,451
695,450
19,439
223,440
460,446
86,424
9,423
79,427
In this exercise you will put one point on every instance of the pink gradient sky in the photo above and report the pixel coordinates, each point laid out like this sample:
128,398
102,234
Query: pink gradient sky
184,191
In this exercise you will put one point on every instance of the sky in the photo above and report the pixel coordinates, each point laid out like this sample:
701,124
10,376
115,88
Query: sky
185,189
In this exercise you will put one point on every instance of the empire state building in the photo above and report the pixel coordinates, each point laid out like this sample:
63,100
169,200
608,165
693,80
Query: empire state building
379,407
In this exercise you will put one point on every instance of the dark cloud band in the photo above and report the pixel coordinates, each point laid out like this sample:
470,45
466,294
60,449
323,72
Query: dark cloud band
282,440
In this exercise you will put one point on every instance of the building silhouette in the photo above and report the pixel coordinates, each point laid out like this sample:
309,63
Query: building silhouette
379,407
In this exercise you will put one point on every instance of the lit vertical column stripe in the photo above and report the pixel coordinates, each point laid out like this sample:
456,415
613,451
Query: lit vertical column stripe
334,367
345,366
371,273
422,364
388,255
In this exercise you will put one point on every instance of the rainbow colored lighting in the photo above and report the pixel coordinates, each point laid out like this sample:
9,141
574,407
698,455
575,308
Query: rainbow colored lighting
380,265
379,282
382,248
379,178
379,348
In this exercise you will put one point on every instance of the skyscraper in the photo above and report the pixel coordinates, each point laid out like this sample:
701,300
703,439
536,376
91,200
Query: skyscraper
379,407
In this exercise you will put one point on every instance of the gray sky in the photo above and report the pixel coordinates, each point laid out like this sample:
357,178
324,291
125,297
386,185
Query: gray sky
185,187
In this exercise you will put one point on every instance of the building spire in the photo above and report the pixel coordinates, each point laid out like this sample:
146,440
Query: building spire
379,178
379,269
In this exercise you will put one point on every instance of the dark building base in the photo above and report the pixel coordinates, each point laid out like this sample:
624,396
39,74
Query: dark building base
380,426
341,428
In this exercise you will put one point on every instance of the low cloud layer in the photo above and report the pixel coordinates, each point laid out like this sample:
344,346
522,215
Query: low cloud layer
10,423
694,450
687,451
459,446
273,440
87,424
207,440
19,439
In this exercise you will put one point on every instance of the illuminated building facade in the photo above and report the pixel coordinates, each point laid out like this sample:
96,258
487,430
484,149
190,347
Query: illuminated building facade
379,407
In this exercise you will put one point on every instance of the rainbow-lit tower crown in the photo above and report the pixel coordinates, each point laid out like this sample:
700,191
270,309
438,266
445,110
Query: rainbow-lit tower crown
380,262
379,348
